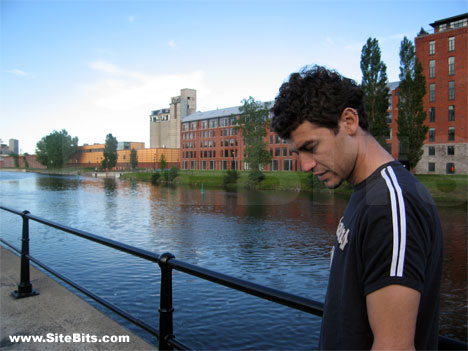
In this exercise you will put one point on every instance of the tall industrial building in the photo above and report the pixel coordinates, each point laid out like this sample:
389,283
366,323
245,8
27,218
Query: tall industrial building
165,123
443,55
14,146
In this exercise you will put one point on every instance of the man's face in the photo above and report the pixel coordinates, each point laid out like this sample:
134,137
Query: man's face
328,156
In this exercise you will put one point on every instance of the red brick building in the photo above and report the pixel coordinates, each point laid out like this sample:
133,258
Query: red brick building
443,55
210,140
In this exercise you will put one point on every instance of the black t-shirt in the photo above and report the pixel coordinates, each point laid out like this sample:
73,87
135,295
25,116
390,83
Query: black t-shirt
390,234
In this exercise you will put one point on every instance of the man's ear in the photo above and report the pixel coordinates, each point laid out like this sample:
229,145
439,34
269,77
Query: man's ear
349,121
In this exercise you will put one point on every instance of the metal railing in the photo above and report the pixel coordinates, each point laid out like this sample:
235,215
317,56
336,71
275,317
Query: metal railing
167,263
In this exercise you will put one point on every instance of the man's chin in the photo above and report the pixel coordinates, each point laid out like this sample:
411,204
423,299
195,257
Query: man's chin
331,184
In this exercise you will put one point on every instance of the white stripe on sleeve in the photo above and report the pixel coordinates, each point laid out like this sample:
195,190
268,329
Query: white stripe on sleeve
402,210
396,235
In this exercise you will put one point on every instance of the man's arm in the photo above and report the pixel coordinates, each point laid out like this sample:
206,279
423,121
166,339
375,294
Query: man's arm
392,313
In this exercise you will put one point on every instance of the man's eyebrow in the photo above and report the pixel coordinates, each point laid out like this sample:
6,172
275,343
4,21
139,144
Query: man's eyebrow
306,144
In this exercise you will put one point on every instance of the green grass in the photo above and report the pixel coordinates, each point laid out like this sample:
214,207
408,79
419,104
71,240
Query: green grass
446,187
441,187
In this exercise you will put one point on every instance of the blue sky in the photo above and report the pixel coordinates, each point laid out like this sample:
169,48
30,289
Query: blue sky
98,67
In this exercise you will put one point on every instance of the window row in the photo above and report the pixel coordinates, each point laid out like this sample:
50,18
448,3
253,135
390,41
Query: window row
451,91
432,45
280,152
451,134
210,123
449,167
450,150
451,114
451,67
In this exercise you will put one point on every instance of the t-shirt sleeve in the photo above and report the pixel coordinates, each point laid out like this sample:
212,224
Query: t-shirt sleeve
394,245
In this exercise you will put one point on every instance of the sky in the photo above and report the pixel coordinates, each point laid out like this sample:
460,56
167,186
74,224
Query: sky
99,67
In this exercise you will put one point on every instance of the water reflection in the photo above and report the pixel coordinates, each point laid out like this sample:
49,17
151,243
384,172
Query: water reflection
281,239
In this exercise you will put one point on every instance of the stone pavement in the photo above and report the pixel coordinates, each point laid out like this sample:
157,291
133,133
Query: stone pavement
56,314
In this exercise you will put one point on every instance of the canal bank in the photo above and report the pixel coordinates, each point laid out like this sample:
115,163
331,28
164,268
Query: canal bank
64,320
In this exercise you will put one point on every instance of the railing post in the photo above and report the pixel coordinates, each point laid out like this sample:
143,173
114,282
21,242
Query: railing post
24,287
165,307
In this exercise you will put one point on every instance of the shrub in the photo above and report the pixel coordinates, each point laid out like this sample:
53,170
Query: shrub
155,178
255,177
173,173
230,177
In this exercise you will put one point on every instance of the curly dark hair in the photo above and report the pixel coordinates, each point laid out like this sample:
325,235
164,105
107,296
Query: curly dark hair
319,96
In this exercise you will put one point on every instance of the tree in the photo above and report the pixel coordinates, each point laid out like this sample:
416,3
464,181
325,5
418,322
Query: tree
253,121
56,149
25,160
374,84
110,152
16,159
133,159
411,115
162,162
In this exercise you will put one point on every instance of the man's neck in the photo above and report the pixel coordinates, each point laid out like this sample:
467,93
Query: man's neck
371,155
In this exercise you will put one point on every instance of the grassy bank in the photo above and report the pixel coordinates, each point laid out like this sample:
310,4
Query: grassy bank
442,187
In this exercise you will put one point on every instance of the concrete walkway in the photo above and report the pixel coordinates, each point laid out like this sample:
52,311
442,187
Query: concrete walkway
56,314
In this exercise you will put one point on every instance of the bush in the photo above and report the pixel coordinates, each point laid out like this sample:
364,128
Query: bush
230,177
255,177
155,178
173,173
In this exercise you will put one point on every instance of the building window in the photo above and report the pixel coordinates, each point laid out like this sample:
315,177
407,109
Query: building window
192,165
432,88
223,164
451,90
432,71
451,133
212,164
442,27
431,167
284,152
451,66
432,134
287,165
431,150
277,151
450,168
451,150
274,165
431,47
451,113
451,44
431,114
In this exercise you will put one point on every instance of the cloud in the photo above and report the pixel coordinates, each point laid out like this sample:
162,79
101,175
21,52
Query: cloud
104,67
125,90
18,72
172,44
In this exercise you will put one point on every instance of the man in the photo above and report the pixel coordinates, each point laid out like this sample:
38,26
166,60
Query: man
383,291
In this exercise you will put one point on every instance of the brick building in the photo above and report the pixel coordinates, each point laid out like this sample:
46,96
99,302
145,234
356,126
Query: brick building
210,140
443,55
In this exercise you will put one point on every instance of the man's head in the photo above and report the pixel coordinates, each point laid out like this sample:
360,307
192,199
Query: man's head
322,114
319,96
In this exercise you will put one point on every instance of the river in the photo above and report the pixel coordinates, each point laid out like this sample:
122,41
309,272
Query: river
279,239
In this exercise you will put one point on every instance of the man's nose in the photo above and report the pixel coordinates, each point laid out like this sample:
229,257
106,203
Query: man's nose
307,162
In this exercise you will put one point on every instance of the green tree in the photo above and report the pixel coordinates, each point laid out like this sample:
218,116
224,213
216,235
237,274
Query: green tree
374,84
110,152
15,158
411,115
56,149
133,159
162,162
25,160
253,122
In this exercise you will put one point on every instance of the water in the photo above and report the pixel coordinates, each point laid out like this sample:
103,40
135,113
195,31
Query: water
279,239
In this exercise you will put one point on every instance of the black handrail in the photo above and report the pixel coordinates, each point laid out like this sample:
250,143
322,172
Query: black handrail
167,263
